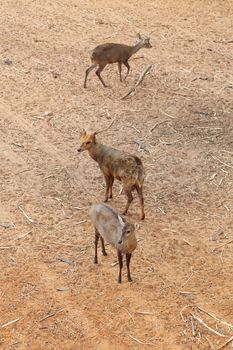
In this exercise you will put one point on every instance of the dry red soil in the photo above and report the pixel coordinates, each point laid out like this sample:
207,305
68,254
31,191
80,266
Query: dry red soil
179,122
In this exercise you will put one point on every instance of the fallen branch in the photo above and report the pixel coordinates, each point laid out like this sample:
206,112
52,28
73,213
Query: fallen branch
216,318
205,325
146,70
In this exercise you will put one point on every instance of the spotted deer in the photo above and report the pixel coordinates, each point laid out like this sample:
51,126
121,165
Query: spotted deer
116,164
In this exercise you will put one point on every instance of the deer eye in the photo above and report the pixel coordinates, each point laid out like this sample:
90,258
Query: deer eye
88,142
128,232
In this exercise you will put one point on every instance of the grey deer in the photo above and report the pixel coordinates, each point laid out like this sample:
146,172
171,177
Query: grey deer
111,227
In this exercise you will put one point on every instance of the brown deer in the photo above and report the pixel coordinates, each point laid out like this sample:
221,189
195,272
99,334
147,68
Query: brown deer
116,164
111,53
111,227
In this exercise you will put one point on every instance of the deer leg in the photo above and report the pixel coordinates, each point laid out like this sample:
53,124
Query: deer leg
108,187
103,246
111,180
128,68
99,70
141,199
129,195
87,72
119,68
128,258
97,235
120,261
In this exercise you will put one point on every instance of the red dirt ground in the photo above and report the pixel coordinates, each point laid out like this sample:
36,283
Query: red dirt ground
183,262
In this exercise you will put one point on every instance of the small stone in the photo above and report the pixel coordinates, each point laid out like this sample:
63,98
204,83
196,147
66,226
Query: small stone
8,62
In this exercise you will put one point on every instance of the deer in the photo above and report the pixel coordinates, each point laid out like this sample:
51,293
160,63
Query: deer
116,164
110,226
115,53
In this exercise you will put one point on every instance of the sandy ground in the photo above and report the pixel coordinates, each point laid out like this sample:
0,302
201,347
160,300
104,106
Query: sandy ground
183,264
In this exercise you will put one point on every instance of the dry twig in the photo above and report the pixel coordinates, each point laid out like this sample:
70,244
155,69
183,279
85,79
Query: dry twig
185,240
81,222
133,127
144,313
146,70
25,234
139,341
210,343
224,344
169,115
65,260
65,244
192,273
9,323
222,245
157,124
194,331
220,161
51,314
108,127
131,317
9,247
25,214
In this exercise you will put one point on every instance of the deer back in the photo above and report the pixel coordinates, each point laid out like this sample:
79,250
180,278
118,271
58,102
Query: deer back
107,222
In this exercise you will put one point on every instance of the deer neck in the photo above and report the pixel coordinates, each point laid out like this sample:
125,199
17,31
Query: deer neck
136,47
95,151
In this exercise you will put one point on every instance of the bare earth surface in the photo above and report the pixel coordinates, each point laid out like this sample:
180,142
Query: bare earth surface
179,122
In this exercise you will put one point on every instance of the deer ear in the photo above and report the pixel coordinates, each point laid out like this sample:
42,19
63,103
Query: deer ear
83,132
138,36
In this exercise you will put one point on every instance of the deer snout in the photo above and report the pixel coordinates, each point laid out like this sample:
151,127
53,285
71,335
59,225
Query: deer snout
79,150
120,241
